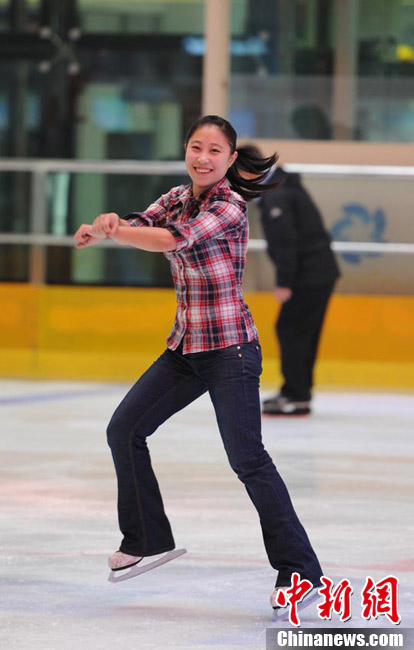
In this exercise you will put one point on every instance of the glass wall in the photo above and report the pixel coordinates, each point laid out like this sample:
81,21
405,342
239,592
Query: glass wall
141,17
323,69
96,80
78,198
105,80
93,79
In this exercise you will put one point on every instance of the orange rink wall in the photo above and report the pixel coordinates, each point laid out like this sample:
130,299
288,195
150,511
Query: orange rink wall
113,334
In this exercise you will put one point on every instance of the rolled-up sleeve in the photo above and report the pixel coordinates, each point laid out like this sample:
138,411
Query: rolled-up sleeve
222,220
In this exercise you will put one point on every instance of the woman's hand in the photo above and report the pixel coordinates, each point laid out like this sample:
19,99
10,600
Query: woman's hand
86,236
282,294
106,225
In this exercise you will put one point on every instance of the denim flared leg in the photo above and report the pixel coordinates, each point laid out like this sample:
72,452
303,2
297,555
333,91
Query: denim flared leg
232,376
165,388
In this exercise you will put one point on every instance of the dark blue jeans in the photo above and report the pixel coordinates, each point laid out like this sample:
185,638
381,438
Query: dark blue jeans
231,376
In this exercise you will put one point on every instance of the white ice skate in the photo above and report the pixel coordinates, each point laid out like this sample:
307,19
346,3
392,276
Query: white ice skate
128,564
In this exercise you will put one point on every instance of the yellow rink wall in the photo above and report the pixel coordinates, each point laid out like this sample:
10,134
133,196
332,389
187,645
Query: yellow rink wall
114,333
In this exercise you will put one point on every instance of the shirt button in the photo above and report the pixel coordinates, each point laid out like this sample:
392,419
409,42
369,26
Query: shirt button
240,355
238,347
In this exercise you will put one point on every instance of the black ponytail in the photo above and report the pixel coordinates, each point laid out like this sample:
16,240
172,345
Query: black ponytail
249,160
249,172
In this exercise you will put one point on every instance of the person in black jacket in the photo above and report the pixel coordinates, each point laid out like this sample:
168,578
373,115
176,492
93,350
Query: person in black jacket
306,272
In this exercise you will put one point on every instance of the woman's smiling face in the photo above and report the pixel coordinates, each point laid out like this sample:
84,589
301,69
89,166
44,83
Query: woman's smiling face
208,157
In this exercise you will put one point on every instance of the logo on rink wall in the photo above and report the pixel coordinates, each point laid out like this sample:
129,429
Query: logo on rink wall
359,224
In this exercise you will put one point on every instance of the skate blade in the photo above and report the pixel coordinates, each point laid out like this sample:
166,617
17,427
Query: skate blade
136,570
282,614
285,415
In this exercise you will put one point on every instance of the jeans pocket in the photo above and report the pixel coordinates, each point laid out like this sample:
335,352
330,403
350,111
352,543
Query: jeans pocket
252,357
258,350
230,352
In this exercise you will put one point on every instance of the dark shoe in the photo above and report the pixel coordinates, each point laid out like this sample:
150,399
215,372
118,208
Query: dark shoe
280,405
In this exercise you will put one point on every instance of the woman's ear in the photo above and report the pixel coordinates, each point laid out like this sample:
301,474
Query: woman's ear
233,158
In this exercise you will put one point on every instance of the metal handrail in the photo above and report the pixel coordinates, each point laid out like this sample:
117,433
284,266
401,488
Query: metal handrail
255,245
149,167
47,166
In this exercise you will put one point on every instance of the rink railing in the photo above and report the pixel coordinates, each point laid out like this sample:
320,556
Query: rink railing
39,239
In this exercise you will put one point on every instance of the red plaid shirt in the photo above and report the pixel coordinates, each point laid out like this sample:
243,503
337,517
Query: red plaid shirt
211,232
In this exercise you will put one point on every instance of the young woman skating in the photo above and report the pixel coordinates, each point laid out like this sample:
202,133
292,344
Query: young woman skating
202,230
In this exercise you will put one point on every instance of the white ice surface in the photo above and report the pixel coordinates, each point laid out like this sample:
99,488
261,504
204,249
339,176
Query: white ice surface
349,469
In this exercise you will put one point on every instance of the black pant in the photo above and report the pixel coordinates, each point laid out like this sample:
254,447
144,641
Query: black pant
298,330
231,376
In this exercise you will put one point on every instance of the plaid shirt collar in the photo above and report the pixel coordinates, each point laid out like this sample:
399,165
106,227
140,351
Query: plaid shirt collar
187,193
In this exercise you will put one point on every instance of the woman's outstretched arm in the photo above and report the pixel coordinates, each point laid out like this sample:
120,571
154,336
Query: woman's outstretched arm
105,226
155,240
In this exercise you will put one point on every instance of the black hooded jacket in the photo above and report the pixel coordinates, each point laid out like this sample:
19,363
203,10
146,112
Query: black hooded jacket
297,240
